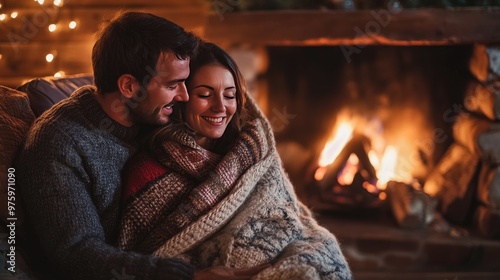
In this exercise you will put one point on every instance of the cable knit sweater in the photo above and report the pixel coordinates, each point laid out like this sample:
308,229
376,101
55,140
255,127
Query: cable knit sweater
238,210
69,175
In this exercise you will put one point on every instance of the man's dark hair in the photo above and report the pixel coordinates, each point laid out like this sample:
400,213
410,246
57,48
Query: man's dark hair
131,44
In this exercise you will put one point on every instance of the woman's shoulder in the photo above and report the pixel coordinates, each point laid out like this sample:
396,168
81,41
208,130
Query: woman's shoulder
140,170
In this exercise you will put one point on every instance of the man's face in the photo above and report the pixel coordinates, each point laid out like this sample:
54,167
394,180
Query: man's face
153,103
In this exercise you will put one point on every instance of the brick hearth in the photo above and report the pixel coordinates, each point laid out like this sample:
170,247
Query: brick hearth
376,248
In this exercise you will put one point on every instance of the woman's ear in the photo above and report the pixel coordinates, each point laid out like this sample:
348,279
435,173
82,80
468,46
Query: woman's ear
127,85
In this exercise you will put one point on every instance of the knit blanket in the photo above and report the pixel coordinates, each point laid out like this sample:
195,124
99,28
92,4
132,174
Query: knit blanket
237,210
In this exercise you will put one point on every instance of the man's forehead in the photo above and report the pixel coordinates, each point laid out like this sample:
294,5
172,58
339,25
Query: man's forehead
171,66
166,57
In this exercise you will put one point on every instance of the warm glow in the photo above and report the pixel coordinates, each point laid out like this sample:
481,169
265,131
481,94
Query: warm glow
0,56
333,147
382,196
72,24
346,177
320,173
3,17
59,74
1,5
40,1
387,167
14,14
52,27
58,3
49,57
372,155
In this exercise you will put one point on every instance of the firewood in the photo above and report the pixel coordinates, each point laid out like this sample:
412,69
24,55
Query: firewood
488,189
483,99
485,63
453,182
487,221
481,136
411,208
355,146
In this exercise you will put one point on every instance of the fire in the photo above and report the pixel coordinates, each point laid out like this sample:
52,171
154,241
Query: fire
386,172
334,147
385,163
347,175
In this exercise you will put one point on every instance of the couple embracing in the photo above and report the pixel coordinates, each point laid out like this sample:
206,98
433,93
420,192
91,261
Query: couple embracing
166,169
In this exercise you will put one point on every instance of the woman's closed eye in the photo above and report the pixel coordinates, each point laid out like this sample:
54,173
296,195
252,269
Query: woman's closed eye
204,95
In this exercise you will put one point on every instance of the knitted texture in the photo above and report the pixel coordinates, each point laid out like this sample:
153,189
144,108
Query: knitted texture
256,217
69,174
192,182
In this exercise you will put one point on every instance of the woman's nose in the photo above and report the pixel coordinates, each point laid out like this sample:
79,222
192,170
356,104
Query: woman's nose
218,104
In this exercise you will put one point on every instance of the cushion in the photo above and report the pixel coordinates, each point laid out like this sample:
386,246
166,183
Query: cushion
47,91
16,118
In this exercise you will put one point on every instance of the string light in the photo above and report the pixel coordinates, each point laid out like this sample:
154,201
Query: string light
58,3
49,57
14,14
40,1
59,74
72,24
3,17
52,27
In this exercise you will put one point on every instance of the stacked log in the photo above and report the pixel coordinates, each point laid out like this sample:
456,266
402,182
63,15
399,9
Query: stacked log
467,179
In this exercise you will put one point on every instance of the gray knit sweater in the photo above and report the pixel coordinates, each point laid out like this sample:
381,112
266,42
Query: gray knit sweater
69,177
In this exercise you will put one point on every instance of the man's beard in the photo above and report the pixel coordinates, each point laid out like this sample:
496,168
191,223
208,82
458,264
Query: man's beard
139,116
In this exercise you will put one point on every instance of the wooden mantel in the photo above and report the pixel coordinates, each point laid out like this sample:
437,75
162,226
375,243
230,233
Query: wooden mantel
365,27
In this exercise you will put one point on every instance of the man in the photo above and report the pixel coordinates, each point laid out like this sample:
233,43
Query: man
69,169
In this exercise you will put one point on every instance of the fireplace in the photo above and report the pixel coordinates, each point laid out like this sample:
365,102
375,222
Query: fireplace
399,100
402,98
401,92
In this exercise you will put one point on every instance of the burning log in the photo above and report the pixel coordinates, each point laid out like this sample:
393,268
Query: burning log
411,208
355,146
355,195
485,63
479,135
453,182
483,99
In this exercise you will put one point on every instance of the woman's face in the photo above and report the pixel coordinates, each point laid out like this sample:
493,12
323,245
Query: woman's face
212,102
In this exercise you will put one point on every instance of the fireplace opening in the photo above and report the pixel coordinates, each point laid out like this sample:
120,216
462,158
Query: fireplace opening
399,99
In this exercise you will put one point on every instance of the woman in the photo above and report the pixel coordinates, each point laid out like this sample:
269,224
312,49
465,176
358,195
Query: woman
214,191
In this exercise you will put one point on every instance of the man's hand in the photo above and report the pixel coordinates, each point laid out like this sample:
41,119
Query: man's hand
228,273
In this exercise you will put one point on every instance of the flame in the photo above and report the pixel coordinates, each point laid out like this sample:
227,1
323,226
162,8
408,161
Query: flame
346,177
385,165
387,168
333,147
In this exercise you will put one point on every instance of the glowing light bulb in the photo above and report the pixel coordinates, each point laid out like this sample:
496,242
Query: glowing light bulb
40,2
0,56
1,5
52,27
59,74
58,3
14,14
49,57
3,17
72,24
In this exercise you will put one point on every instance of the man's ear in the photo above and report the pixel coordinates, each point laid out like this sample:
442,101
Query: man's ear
127,85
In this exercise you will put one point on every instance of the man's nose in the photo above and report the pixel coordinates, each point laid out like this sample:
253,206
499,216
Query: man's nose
182,94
